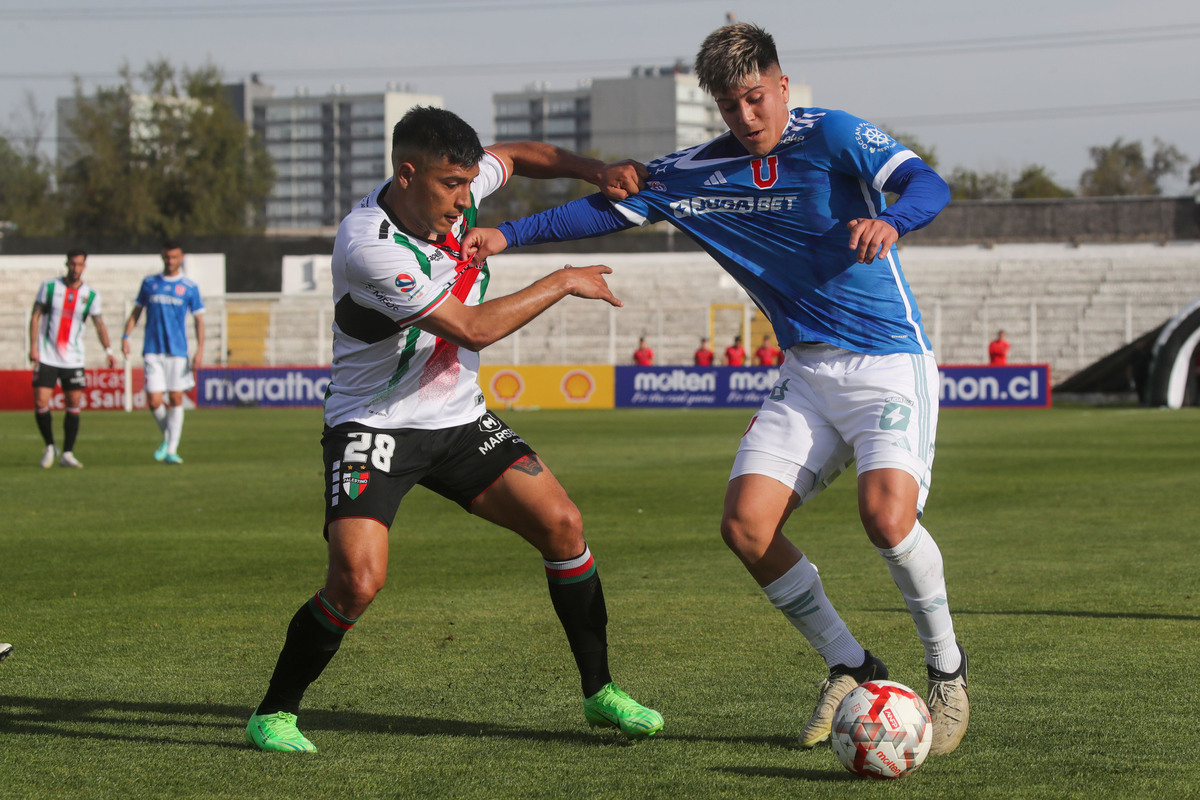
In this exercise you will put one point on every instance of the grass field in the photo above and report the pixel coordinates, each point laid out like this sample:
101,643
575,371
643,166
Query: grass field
147,605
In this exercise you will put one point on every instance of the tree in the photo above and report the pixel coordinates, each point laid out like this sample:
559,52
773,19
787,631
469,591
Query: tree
967,184
163,155
1035,183
27,201
1121,169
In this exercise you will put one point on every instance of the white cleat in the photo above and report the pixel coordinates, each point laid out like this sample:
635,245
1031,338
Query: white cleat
69,460
949,707
48,457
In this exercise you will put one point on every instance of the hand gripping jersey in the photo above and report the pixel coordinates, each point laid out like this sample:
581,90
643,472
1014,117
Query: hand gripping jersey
777,224
167,302
65,310
387,373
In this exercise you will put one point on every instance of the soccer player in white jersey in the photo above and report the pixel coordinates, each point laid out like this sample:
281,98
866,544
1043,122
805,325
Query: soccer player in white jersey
167,298
62,308
404,406
790,202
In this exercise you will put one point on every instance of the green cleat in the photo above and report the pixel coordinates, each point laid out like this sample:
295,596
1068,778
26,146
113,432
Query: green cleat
172,458
161,452
610,707
278,732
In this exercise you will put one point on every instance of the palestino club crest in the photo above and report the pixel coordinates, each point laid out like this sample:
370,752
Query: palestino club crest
354,482
405,282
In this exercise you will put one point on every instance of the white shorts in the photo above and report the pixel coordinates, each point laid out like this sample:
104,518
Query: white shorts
832,406
167,373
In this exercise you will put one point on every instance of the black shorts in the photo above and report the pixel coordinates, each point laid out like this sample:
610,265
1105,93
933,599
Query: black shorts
370,470
72,378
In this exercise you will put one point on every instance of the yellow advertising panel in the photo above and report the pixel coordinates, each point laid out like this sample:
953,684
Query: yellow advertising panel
548,386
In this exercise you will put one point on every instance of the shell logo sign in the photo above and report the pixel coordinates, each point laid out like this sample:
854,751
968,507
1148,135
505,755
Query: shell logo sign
547,386
507,386
578,386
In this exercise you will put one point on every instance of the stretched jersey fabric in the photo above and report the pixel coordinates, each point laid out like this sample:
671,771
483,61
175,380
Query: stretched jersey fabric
777,224
64,310
387,373
167,302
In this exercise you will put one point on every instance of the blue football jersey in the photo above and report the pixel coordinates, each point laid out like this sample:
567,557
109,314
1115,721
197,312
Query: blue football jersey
777,224
167,303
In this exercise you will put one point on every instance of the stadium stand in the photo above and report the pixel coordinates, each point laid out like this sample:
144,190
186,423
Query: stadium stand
1065,305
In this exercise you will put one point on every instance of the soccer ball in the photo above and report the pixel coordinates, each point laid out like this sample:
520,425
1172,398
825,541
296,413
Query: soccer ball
882,729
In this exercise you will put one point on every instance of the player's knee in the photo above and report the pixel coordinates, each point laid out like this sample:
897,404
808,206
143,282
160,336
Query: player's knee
887,524
351,593
742,538
565,523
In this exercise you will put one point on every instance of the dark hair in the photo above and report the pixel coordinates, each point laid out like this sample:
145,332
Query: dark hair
76,251
734,54
437,133
171,244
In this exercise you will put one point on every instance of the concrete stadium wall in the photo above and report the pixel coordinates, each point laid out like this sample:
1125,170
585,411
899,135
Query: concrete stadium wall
1063,305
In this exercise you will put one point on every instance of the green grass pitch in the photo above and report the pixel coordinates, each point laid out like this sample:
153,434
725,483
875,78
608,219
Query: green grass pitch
147,605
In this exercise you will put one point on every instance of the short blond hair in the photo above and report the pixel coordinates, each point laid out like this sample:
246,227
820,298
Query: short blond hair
733,55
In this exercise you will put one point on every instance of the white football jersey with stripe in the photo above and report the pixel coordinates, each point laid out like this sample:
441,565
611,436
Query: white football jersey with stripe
387,373
65,310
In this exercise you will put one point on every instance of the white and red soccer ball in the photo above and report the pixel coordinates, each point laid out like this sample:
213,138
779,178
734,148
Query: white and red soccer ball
881,730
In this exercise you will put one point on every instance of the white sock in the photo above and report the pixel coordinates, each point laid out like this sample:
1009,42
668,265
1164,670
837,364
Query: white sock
801,597
160,416
916,567
174,428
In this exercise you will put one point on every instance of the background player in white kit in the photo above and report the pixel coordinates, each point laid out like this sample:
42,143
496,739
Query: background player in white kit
168,297
60,312
404,406
791,203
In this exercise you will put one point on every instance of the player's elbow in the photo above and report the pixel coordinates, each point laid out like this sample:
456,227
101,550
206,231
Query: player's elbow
473,337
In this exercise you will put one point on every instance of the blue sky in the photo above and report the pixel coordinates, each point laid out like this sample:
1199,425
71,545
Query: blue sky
988,86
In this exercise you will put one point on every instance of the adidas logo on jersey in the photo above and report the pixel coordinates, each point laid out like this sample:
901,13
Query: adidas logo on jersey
716,179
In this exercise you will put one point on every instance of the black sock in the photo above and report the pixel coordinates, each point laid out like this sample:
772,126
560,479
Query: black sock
314,635
44,425
70,430
579,601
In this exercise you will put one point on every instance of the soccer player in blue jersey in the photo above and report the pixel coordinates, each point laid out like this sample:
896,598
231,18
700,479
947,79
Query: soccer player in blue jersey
167,298
791,203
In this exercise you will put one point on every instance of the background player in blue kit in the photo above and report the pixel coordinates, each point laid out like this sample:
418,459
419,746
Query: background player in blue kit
791,204
168,297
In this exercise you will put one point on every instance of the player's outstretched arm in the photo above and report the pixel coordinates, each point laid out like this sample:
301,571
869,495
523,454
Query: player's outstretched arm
480,243
616,181
476,327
